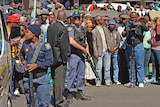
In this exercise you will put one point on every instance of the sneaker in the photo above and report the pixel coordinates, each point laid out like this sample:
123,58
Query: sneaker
146,78
17,93
88,84
141,85
129,85
117,83
98,84
108,84
152,80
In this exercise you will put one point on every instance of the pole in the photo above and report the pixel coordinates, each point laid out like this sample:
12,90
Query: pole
35,2
31,90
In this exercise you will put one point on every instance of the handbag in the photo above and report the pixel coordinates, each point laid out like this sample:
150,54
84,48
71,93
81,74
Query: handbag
20,68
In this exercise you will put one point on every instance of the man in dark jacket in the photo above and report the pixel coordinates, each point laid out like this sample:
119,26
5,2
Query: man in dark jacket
57,36
135,49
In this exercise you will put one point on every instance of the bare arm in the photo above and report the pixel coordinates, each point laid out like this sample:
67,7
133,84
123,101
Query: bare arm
77,45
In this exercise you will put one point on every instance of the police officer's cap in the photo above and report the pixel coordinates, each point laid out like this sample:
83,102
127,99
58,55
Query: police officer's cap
76,15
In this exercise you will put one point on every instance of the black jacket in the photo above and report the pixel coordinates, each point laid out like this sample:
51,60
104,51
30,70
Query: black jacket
57,36
135,34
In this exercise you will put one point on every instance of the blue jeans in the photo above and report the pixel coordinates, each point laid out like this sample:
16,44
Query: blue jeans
137,63
42,96
104,61
155,57
114,59
147,56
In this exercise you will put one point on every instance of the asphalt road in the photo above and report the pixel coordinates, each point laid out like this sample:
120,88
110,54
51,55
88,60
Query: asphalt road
114,96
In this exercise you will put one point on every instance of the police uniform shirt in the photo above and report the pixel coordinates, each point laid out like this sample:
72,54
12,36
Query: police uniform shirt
44,59
70,32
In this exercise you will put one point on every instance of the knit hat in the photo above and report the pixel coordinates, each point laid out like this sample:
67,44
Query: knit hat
35,29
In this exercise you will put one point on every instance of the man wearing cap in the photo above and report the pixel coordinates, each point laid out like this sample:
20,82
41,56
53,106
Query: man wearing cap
123,74
114,42
39,68
69,21
79,48
12,21
44,16
57,36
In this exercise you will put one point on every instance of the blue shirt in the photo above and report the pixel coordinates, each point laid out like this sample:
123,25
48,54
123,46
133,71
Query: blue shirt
45,56
47,5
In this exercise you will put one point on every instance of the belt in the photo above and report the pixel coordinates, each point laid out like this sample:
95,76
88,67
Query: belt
36,74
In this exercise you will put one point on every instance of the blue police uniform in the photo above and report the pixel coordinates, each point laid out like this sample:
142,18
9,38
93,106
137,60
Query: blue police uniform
41,82
76,64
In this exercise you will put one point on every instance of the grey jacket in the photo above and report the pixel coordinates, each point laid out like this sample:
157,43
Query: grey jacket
114,39
97,41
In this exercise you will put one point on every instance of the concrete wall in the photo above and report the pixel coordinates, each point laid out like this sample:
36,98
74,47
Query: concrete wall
111,14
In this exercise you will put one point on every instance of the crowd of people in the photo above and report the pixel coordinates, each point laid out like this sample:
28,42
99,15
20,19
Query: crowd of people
120,47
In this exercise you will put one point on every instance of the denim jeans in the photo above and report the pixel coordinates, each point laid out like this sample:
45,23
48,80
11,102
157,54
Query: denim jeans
147,56
104,61
114,59
42,95
137,63
155,57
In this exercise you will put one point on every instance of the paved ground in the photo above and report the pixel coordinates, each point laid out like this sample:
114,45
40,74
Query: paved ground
114,96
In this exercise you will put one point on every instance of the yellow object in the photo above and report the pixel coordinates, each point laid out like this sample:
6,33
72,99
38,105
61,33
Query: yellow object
70,29
48,46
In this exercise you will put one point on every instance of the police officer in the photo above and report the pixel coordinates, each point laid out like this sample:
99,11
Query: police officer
42,95
79,47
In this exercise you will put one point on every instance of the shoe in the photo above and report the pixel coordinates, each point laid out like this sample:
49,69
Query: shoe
88,84
129,85
16,93
153,79
117,83
81,96
141,85
63,104
108,84
98,85
69,98
146,80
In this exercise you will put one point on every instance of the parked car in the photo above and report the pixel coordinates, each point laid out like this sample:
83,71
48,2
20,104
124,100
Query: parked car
115,5
5,65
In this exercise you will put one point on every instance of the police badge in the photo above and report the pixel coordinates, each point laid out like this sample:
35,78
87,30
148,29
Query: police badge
27,49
